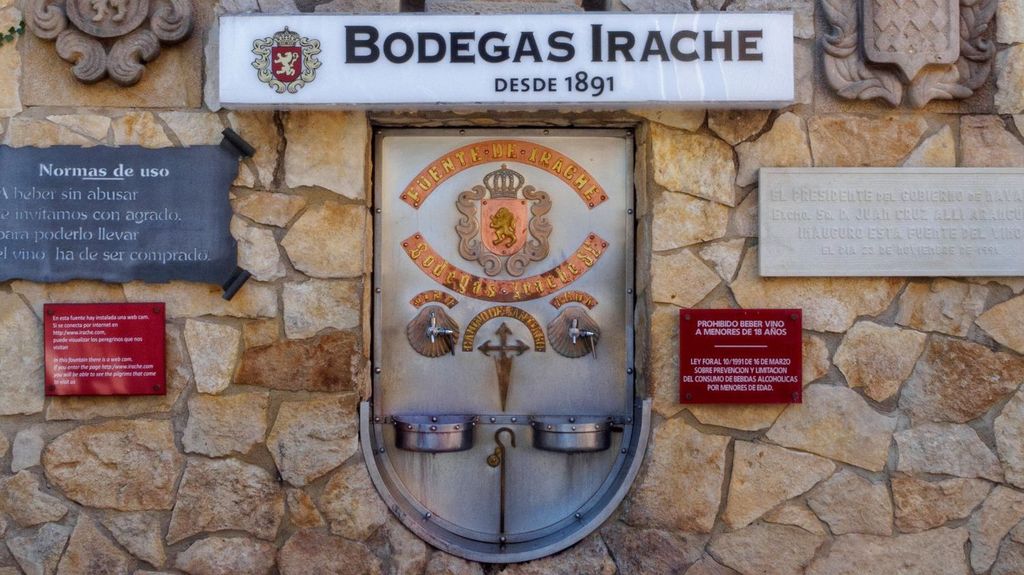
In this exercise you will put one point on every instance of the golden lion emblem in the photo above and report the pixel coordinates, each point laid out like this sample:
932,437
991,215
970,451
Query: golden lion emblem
503,222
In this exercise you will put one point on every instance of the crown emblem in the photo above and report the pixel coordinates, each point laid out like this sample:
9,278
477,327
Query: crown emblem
286,38
504,183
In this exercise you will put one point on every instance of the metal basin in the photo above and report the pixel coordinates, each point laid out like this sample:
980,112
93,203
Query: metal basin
434,433
571,434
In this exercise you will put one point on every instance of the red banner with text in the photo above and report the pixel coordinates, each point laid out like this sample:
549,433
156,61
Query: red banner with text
740,356
104,349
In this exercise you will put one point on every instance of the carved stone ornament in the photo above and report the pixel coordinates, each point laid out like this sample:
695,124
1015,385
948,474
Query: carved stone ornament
927,49
113,38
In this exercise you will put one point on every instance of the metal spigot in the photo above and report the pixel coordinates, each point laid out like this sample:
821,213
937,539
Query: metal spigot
575,333
433,331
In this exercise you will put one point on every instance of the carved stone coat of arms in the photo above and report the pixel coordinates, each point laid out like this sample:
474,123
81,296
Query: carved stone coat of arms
114,38
914,50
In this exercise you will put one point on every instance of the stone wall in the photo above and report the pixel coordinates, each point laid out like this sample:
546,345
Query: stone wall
906,456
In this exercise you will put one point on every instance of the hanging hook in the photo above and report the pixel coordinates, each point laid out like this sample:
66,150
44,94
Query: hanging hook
497,459
511,434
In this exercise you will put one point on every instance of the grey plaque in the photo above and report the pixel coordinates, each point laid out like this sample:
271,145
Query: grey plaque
116,214
892,222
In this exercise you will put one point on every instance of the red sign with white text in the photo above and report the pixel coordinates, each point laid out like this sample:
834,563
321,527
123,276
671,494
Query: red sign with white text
740,356
104,349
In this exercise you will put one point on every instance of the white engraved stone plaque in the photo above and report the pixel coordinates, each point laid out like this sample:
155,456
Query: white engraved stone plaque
891,222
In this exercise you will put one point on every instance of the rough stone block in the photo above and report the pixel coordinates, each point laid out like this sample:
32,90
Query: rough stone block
89,551
28,448
127,465
683,485
935,552
316,305
359,6
922,505
851,504
958,380
257,251
25,503
329,150
694,164
878,358
683,220
667,285
329,362
946,449
213,349
315,552
310,438
351,503
1010,80
227,555
328,241
226,494
985,143
784,146
1003,322
766,549
845,140
222,425
764,476
21,358
836,423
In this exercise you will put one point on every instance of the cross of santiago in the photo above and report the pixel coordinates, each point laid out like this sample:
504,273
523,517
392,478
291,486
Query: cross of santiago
502,360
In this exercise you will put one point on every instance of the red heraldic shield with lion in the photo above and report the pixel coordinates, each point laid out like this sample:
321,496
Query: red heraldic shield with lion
286,61
503,226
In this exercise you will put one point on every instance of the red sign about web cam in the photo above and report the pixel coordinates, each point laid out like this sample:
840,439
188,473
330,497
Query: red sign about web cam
740,356
104,349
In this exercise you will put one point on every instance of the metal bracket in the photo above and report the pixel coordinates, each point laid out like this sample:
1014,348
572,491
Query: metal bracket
235,283
232,141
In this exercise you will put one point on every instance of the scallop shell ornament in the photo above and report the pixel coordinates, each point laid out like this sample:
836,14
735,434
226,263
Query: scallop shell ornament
560,338
419,339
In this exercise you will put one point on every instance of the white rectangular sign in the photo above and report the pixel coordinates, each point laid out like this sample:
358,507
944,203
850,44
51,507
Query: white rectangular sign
892,222
597,60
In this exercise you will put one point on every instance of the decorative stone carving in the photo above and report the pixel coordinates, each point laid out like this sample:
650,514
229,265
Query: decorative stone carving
918,50
114,38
